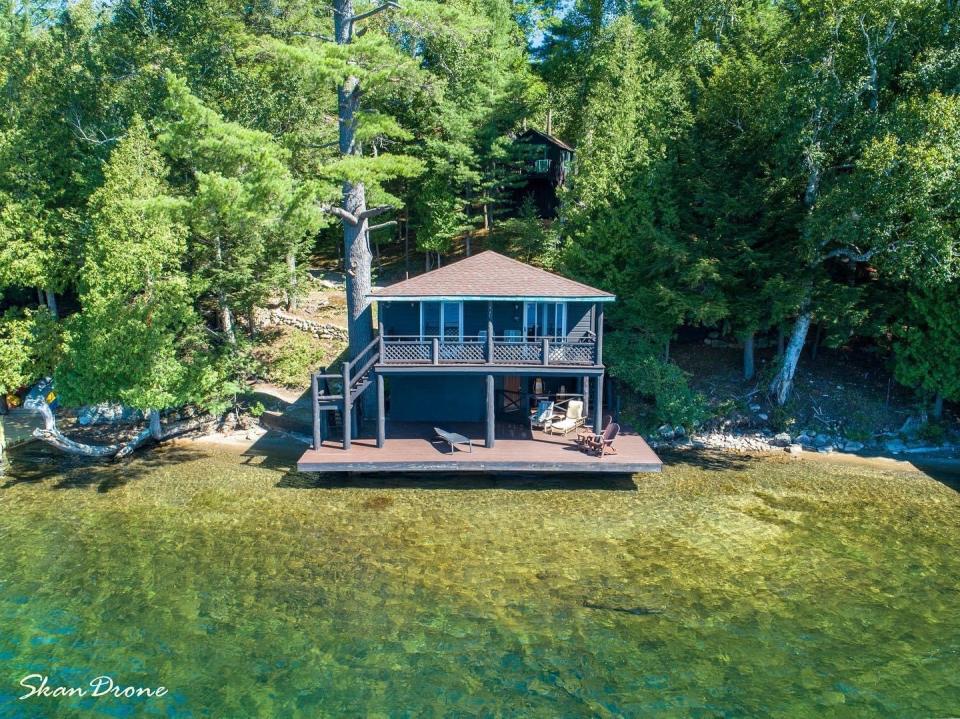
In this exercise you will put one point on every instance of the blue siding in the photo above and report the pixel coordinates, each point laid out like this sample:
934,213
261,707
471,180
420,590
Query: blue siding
437,399
578,320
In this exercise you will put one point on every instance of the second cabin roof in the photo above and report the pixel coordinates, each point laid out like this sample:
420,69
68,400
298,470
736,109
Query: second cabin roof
490,276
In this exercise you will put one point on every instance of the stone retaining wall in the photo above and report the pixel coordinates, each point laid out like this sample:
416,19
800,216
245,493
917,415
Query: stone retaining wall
320,330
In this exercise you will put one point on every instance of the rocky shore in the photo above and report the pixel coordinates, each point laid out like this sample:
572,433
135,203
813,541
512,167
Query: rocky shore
766,440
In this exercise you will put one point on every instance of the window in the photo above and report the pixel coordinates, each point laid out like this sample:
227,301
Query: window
441,319
545,319
453,321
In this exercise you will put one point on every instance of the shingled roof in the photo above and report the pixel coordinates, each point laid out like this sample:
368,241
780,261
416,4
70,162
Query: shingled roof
490,276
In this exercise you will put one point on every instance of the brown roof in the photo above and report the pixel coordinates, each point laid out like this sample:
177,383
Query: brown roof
548,137
490,275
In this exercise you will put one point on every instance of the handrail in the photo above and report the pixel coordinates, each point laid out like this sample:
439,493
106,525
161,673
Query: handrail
353,363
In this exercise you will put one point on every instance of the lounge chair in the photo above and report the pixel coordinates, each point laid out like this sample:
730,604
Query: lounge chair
543,415
453,439
589,433
570,421
602,444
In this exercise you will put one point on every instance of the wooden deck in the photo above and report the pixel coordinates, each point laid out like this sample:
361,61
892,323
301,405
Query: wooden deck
410,447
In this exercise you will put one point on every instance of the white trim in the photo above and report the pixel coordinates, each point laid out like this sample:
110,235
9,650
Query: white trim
488,298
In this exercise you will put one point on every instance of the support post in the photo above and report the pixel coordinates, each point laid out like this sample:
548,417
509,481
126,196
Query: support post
585,383
489,332
598,406
600,337
381,416
490,412
435,350
315,394
546,351
347,406
381,350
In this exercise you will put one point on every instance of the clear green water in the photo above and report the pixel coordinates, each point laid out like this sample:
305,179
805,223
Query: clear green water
775,589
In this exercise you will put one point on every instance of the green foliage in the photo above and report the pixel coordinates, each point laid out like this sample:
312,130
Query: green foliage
528,237
138,339
927,343
292,356
662,389
29,347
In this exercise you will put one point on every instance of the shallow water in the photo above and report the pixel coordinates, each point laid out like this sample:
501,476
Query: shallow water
719,589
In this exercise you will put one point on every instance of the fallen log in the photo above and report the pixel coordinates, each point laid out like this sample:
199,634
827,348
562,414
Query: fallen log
51,434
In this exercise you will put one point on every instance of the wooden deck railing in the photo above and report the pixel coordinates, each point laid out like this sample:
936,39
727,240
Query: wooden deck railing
400,350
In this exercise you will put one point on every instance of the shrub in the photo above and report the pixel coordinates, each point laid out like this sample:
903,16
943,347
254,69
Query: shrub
660,388
291,358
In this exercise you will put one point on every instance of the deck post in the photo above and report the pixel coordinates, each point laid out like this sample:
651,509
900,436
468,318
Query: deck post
490,412
435,350
585,383
489,331
600,336
598,406
347,407
381,418
381,350
315,394
546,351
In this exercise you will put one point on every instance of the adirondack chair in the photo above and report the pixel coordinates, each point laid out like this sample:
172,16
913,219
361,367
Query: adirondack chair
543,415
602,444
587,433
574,418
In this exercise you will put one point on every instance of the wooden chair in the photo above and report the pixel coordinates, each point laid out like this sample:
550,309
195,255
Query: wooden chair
587,433
602,444
543,415
570,421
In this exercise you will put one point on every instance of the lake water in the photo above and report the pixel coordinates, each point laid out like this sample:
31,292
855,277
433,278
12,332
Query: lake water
721,588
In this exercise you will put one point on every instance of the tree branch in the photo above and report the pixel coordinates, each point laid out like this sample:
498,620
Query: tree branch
341,213
382,225
854,255
374,212
390,4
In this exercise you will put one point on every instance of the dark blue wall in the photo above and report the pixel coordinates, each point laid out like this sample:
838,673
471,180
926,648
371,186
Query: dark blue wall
435,399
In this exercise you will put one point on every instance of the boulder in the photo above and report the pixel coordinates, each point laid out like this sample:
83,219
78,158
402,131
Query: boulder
666,431
782,439
895,446
852,446
795,449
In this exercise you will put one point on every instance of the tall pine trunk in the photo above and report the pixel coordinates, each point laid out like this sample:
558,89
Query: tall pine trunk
937,411
52,303
292,279
356,241
748,363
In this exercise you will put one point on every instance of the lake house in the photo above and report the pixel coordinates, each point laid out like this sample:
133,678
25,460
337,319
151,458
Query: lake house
548,166
474,347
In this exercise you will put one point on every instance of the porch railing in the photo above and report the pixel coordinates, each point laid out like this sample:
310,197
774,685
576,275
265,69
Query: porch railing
499,350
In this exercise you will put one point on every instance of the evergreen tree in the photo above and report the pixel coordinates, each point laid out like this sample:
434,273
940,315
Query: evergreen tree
137,340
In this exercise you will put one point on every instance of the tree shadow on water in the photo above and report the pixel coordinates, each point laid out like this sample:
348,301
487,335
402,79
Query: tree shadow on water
39,464
705,459
946,472
458,481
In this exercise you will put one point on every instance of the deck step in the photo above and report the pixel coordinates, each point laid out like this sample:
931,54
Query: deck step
359,388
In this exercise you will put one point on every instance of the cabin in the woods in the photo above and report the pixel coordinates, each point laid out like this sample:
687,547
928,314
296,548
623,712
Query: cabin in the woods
473,348
548,162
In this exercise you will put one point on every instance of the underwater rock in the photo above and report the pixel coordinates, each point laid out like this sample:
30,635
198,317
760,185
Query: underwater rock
635,611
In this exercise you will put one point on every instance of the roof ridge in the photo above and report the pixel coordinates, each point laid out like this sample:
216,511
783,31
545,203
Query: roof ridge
485,274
